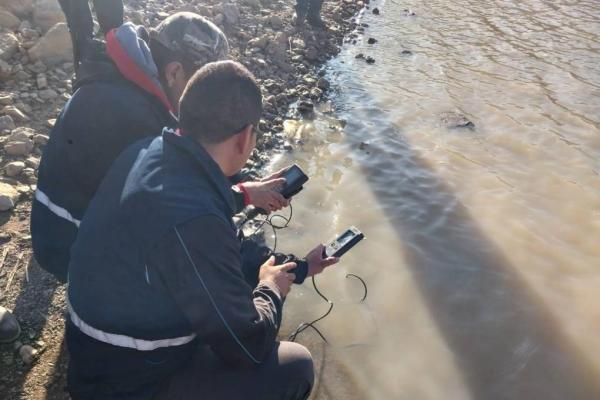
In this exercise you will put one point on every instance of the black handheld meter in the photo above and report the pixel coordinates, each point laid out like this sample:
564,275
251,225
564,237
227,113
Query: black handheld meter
343,243
294,179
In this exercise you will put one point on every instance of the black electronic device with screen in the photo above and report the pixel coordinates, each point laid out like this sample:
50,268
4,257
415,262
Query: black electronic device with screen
294,179
343,243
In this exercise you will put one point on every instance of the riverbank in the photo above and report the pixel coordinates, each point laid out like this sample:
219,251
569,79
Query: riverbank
35,83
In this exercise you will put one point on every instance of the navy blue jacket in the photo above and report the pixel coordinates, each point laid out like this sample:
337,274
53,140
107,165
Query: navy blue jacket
97,123
130,276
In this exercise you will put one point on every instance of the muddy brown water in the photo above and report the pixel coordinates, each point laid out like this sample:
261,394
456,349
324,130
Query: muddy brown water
482,256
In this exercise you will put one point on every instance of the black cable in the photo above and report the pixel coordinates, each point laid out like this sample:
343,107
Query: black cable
305,325
269,221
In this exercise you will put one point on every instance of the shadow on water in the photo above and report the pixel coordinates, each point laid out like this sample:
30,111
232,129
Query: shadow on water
505,341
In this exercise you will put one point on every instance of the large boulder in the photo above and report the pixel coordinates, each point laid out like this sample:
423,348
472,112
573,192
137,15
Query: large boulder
8,196
9,44
8,20
47,13
54,47
20,8
19,142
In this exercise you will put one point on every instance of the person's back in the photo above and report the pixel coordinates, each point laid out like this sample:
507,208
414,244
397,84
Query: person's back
115,105
158,302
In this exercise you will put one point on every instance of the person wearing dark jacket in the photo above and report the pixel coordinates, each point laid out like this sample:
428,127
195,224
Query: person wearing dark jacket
124,92
158,304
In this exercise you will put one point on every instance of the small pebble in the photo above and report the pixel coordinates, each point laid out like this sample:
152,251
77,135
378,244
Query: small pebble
376,11
27,354
372,41
370,60
360,56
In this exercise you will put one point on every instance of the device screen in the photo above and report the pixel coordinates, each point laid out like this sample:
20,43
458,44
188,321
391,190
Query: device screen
345,237
292,175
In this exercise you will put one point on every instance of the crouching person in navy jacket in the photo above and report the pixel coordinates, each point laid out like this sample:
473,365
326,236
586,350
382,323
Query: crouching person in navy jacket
158,305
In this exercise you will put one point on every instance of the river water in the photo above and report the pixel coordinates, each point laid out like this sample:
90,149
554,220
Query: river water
482,256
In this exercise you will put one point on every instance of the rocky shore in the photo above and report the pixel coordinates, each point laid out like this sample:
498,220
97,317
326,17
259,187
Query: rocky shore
35,82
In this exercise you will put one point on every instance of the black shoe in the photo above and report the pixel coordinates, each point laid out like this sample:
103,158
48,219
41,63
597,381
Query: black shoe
316,21
299,17
9,326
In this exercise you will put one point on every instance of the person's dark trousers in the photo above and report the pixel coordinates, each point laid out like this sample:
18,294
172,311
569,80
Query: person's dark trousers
309,10
80,22
286,375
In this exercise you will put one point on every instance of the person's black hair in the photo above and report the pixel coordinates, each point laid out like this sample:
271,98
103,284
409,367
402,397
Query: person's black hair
219,101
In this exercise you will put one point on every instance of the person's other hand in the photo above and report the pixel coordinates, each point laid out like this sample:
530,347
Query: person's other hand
316,262
265,194
274,175
278,274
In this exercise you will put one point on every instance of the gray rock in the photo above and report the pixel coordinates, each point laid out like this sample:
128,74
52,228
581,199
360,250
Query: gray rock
9,44
28,354
260,42
5,99
8,20
33,162
311,54
453,119
40,139
19,148
14,168
7,123
231,13
276,21
8,196
20,8
14,113
54,47
42,81
5,70
47,94
323,84
46,14
20,134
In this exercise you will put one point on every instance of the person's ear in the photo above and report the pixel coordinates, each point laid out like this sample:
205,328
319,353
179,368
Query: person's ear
245,139
173,74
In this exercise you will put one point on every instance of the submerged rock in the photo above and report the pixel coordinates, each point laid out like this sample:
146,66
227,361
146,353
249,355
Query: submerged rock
453,119
372,41
376,11
370,60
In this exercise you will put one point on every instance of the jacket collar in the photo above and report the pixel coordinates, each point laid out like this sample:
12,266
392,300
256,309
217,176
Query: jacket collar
209,166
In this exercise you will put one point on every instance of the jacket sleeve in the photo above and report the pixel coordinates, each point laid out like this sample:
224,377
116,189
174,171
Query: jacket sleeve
199,263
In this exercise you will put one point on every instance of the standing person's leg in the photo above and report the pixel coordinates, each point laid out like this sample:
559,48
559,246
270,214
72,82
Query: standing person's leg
314,14
109,14
302,7
79,20
286,375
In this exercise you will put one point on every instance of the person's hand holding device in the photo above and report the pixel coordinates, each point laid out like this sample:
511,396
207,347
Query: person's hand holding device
278,274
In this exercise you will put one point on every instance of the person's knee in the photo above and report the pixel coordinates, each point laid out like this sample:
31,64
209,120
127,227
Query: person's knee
298,363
